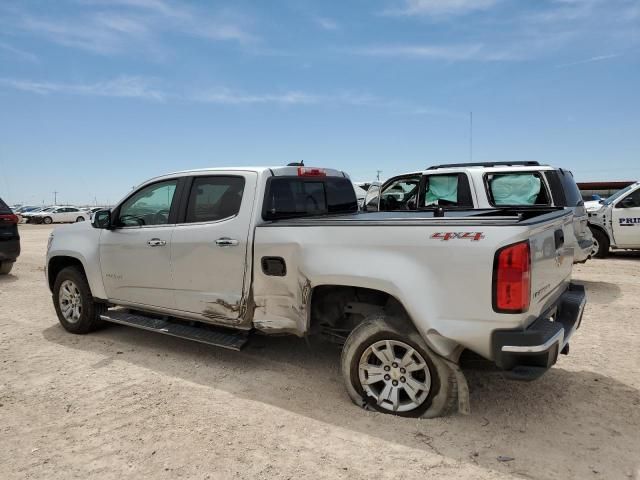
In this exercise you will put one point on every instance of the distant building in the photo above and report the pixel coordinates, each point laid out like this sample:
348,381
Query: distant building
603,189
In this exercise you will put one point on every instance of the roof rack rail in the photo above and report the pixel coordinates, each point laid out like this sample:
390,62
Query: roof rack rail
526,163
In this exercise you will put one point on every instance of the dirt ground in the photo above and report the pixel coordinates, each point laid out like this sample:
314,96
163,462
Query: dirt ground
123,403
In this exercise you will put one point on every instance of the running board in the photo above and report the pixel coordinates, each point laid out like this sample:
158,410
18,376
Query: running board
231,339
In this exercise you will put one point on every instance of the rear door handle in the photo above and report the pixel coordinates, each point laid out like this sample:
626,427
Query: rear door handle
156,242
227,242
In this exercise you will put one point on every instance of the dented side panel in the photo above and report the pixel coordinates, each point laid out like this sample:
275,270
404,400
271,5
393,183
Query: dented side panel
211,278
429,277
281,303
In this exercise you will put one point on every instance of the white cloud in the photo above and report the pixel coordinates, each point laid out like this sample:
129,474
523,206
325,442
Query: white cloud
121,87
228,96
326,23
128,26
8,50
598,58
141,88
441,7
468,52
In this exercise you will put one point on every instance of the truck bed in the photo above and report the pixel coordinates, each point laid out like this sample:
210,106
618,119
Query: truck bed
440,268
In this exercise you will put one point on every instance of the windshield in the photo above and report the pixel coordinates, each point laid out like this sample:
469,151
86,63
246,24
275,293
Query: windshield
618,194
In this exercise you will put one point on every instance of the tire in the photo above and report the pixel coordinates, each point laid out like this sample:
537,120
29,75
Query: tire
80,219
5,268
47,220
378,332
600,243
71,293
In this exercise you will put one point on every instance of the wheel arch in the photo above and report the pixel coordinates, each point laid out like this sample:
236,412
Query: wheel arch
58,263
328,305
330,301
601,229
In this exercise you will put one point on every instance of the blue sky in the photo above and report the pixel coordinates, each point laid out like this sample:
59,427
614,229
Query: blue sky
99,95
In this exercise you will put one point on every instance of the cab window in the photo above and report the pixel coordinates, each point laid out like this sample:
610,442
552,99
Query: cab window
630,201
447,190
148,206
400,194
214,198
524,188
291,197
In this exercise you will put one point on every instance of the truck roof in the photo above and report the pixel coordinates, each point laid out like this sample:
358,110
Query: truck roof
453,168
275,171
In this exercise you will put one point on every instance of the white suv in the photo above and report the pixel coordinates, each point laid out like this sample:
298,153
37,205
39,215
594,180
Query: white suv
504,185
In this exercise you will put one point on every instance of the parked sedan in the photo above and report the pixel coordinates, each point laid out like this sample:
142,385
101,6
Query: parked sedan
29,217
60,215
9,238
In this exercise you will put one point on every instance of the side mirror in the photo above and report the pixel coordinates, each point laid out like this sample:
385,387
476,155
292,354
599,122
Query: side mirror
626,203
372,198
102,219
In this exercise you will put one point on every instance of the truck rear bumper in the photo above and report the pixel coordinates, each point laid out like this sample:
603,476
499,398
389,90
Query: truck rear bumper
527,354
583,252
9,249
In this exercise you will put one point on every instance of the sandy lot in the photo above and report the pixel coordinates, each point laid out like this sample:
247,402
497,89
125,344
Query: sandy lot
123,403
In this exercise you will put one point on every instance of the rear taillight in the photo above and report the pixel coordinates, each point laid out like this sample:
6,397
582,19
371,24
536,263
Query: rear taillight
512,278
9,218
311,172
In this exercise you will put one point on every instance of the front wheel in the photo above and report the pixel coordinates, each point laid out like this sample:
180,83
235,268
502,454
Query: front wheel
600,244
391,370
76,310
47,220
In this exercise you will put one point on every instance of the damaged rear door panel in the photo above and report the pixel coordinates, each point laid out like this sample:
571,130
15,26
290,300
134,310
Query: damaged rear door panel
209,252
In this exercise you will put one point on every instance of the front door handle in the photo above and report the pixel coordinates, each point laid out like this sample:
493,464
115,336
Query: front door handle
156,242
227,242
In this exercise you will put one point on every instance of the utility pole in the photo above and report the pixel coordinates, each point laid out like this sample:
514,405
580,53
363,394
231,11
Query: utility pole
55,198
378,172
470,136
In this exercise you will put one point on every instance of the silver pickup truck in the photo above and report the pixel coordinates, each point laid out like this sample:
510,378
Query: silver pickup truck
214,255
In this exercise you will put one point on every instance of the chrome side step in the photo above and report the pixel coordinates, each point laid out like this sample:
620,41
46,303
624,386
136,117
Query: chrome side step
233,340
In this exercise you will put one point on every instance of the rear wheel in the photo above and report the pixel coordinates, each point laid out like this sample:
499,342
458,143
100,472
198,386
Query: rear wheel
80,219
5,268
47,220
393,371
76,310
600,244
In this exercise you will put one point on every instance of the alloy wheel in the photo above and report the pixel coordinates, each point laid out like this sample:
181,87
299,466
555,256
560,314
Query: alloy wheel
70,301
395,375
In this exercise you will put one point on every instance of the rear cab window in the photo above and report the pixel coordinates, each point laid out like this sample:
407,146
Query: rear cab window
293,197
517,189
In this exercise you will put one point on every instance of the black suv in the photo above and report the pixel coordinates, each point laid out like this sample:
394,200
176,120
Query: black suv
9,238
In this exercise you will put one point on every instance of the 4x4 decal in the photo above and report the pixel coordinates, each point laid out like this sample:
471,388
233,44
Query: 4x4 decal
445,236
